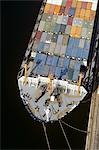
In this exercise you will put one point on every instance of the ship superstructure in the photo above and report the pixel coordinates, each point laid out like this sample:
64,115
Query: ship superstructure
51,74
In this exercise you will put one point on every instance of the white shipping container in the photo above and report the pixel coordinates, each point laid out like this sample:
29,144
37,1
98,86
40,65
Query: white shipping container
77,22
41,25
59,40
93,1
94,6
55,2
43,37
81,43
84,32
89,33
57,49
64,20
59,19
63,50
52,47
68,29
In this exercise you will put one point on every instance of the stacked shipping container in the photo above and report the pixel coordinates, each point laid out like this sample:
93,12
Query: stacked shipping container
64,33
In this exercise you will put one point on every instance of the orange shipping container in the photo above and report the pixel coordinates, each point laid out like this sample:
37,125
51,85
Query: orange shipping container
51,10
82,13
92,15
57,9
47,8
77,12
78,32
74,2
87,14
79,4
73,31
89,5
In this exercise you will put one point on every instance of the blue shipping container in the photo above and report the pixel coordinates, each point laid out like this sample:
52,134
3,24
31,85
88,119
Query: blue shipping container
66,62
74,52
46,47
45,70
76,42
77,65
40,46
87,45
60,62
79,53
40,58
71,11
52,70
54,60
70,43
58,72
75,75
70,73
68,51
85,54
49,60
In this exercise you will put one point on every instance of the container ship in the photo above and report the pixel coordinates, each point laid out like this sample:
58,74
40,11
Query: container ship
56,59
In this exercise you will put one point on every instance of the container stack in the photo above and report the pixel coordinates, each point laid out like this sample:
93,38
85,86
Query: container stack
62,40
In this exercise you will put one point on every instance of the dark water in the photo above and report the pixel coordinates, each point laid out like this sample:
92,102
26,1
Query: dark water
19,131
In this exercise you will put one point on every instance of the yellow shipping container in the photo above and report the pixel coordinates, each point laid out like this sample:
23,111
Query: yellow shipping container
82,13
78,32
74,2
73,31
89,5
77,12
47,7
79,4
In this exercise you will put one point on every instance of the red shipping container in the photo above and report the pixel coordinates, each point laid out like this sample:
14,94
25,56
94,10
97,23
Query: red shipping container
68,4
38,35
66,11
51,10
84,5
69,1
70,20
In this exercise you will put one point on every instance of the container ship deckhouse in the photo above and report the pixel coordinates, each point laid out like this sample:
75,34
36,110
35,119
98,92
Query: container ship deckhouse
51,74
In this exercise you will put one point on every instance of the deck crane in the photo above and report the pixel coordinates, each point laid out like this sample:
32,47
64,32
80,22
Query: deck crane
79,82
25,75
50,85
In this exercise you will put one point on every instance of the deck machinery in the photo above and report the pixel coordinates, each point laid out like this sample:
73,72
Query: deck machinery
55,63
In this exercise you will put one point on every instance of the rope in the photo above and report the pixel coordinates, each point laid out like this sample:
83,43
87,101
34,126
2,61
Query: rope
73,127
46,136
65,135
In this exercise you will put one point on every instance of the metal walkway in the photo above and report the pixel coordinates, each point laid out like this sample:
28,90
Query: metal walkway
92,141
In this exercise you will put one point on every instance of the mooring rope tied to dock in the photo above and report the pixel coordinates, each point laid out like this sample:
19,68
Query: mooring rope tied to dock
65,135
46,136
83,131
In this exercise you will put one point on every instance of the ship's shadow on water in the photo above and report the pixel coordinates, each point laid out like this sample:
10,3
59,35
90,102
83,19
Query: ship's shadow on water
19,130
